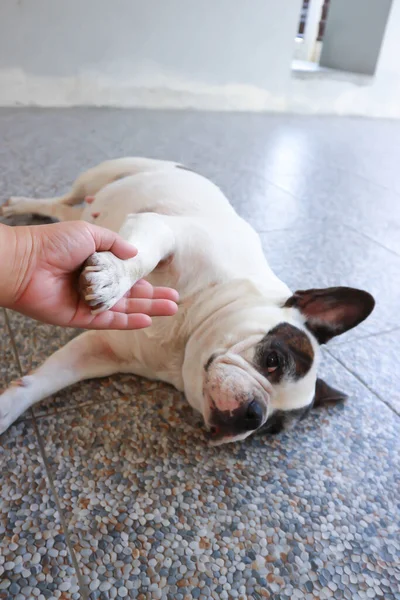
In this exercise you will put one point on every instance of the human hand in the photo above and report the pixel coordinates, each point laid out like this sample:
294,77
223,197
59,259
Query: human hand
40,279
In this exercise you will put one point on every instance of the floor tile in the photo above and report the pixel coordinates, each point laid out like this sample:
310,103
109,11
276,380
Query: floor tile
33,551
338,194
267,207
374,360
366,147
34,557
310,257
36,341
152,506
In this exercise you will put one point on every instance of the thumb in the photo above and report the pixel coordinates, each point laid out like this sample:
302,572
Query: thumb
105,239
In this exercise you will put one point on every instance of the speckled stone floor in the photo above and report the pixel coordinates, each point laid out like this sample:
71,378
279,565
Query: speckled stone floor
110,490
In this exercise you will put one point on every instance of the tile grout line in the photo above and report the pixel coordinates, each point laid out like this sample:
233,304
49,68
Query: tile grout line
275,230
63,522
370,239
63,411
321,164
299,198
367,179
52,486
13,344
366,337
342,364
339,221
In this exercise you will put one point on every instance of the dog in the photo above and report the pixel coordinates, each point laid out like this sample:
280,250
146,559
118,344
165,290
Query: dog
243,348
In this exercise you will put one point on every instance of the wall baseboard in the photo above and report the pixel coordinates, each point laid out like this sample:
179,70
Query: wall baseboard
327,93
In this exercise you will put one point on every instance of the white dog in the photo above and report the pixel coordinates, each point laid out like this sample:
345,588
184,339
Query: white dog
242,347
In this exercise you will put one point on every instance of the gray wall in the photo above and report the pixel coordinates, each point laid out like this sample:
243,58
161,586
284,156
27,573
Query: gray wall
216,42
354,34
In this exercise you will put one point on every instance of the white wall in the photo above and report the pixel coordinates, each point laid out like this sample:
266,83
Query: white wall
61,52
206,54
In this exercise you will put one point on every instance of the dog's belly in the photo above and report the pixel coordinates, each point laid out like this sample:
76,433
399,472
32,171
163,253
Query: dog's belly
155,353
171,191
111,216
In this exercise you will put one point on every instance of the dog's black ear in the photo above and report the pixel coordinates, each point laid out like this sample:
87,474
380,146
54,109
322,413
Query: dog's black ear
326,394
332,311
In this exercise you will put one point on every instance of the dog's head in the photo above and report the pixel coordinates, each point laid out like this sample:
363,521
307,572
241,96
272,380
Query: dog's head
272,382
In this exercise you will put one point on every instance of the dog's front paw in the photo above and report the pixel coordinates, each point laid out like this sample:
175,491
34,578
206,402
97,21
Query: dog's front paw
104,280
16,205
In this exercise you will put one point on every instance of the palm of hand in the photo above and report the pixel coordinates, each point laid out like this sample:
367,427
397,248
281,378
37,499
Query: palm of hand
52,290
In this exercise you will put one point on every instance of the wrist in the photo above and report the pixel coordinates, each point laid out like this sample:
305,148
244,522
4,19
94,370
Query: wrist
16,252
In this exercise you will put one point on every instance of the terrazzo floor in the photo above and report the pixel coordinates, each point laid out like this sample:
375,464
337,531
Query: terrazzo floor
110,489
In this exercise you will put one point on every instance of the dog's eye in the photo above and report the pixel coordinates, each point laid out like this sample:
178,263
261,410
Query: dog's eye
272,362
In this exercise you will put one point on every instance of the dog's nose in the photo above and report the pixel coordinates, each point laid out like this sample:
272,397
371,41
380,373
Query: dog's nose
254,415
248,417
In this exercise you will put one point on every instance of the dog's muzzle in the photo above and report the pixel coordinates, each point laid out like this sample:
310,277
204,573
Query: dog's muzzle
237,397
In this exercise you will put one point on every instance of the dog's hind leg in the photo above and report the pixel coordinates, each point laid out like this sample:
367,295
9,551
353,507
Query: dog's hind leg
85,357
55,208
61,208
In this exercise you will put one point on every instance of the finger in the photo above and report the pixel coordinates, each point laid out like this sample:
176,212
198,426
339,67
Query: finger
143,289
166,293
109,319
153,308
105,239
119,320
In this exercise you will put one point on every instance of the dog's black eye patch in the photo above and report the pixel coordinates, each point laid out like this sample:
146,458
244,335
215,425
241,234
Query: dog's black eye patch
292,346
